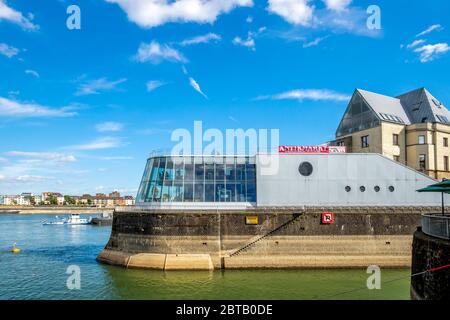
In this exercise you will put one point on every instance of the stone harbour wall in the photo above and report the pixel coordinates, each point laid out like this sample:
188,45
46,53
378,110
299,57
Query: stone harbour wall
282,238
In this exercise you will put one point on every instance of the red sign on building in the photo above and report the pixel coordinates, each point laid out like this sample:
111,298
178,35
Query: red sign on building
327,217
311,149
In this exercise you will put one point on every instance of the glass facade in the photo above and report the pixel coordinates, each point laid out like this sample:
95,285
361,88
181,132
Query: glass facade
198,179
357,117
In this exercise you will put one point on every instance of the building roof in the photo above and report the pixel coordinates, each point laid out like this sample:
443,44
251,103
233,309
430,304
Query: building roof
422,106
387,108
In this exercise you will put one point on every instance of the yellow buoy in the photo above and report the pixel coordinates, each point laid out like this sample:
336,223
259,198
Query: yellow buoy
15,249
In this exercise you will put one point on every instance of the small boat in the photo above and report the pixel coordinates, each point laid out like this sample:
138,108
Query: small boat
74,219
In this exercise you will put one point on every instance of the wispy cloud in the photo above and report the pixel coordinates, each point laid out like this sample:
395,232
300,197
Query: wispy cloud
100,143
155,84
196,87
32,72
415,43
9,14
13,108
112,158
431,52
52,156
152,13
98,85
250,41
155,53
201,39
430,29
307,94
109,126
8,50
313,43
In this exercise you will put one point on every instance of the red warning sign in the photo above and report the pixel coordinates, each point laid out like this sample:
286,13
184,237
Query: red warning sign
327,217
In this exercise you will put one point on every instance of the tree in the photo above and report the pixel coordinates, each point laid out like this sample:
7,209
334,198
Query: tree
69,200
52,200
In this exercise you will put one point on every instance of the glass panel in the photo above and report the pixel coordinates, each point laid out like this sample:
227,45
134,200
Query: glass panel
220,192
154,173
209,192
230,192
209,172
166,191
240,191
230,173
220,172
169,172
189,172
251,182
358,117
178,170
177,191
199,192
188,192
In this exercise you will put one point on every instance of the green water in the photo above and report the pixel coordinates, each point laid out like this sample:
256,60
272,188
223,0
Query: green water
39,272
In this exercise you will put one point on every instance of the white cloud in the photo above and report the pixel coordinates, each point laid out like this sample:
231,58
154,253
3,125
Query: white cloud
249,42
297,12
33,179
154,84
337,5
313,43
196,86
249,19
52,156
100,143
97,85
415,43
12,108
430,29
308,94
152,13
32,72
9,14
109,126
155,53
201,39
8,51
430,52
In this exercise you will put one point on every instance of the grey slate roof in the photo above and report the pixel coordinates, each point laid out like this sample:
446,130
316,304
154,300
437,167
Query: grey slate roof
416,106
387,108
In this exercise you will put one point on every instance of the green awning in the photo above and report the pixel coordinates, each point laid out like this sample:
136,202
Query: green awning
442,187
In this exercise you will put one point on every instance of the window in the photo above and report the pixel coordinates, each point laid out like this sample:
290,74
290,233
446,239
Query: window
199,179
445,163
395,139
422,162
341,144
365,142
421,139
445,142
397,158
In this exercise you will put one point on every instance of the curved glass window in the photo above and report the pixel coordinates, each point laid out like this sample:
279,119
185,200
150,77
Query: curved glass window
198,179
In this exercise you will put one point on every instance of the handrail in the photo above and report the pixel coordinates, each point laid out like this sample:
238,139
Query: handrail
436,225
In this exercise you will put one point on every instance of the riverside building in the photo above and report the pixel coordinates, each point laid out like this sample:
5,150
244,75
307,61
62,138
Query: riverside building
412,128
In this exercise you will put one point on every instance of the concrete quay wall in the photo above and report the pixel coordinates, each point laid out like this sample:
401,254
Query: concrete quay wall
282,238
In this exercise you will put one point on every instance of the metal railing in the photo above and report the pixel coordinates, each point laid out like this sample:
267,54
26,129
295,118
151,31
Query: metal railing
436,225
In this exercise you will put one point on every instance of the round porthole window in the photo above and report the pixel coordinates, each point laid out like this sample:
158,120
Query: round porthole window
348,188
376,188
305,169
391,188
362,188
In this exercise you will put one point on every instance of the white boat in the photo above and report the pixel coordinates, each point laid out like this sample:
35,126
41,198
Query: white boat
74,219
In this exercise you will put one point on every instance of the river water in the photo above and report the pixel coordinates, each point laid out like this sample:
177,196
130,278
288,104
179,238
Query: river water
39,272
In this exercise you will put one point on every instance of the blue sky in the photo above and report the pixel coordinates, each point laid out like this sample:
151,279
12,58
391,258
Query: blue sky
80,110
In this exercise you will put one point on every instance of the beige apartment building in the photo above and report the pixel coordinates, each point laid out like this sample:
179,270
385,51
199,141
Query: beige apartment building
412,128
